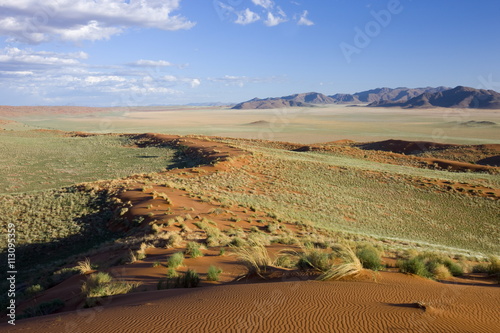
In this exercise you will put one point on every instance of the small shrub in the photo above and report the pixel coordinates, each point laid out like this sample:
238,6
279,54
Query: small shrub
213,273
34,289
369,257
193,250
175,260
172,273
314,258
174,240
426,263
157,264
191,279
414,266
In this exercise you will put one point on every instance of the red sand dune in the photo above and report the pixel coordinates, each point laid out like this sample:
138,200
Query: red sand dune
391,302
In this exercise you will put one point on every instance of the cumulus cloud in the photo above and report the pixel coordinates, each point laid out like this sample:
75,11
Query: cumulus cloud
303,20
246,17
267,4
274,20
37,21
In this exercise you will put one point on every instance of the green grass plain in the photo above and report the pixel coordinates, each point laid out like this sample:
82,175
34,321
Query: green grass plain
33,160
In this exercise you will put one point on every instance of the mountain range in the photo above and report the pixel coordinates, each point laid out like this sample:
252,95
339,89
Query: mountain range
459,97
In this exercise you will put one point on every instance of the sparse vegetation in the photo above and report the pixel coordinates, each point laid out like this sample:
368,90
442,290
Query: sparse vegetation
190,279
213,273
369,257
193,250
102,284
430,265
175,260
255,258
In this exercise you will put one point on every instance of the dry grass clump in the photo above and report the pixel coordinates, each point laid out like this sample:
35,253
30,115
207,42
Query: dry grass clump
84,266
102,284
174,240
193,250
314,258
441,272
350,265
255,258
286,259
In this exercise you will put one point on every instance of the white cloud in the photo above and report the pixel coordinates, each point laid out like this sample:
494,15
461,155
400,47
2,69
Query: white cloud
247,17
37,21
193,83
12,57
151,63
304,20
273,20
267,4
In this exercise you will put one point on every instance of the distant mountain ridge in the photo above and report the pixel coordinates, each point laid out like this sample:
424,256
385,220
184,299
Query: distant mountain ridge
459,97
305,99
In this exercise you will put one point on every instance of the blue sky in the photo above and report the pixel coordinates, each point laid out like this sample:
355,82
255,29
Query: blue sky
112,52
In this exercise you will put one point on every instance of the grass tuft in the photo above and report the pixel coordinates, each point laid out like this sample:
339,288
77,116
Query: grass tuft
350,266
255,258
176,260
213,273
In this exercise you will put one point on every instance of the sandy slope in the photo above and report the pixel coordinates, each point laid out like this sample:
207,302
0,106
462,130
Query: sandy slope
386,304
